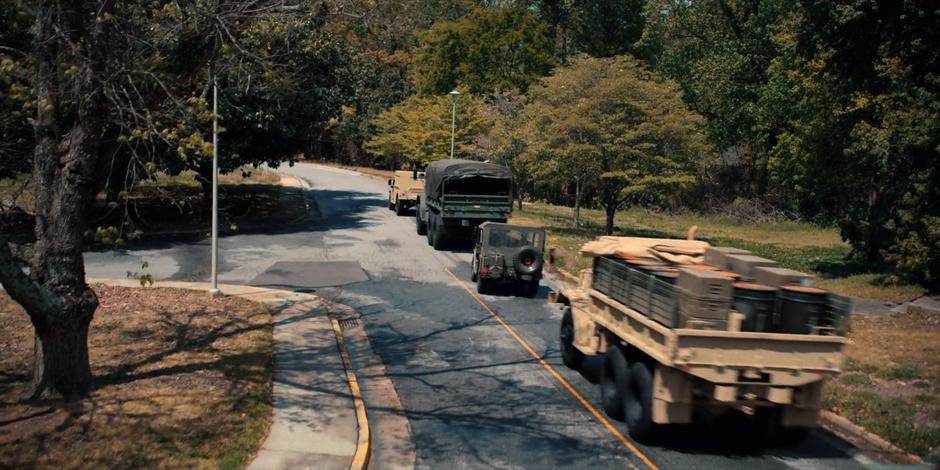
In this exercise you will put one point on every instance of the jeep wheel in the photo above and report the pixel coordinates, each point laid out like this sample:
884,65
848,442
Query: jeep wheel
570,355
399,207
529,289
483,285
474,268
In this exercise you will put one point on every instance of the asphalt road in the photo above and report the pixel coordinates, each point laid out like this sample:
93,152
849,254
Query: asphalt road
473,395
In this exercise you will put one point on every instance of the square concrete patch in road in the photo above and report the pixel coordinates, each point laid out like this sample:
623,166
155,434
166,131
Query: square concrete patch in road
310,274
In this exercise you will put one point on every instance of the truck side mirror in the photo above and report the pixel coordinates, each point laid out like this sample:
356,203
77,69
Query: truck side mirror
391,182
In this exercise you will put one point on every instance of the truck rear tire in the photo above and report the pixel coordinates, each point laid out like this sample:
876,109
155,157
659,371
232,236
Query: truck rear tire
615,380
420,225
429,232
439,238
570,355
638,403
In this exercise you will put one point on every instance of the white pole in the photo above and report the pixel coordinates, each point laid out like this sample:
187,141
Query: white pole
453,128
214,291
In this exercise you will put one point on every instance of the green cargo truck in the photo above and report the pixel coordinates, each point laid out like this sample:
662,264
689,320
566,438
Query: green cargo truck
458,196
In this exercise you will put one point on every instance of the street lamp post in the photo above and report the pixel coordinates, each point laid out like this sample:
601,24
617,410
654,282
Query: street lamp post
214,291
453,120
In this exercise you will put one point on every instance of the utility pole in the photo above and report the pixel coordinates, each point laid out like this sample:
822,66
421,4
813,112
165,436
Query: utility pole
214,291
453,120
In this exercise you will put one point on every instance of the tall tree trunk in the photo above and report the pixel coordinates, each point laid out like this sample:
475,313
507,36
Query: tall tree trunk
69,124
611,211
577,203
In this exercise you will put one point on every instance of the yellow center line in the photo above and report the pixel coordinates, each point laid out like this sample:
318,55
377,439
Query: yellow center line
551,370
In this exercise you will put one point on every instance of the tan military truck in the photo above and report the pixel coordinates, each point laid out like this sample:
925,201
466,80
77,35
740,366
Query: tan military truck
674,338
403,190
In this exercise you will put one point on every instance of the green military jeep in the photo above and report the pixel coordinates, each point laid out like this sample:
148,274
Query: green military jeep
506,253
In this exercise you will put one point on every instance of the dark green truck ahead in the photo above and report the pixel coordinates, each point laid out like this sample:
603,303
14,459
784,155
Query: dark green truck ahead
458,196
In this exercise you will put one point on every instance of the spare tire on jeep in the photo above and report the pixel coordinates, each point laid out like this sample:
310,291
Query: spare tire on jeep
527,260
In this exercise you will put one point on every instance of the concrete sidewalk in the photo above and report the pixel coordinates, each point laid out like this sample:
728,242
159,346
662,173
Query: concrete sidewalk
315,425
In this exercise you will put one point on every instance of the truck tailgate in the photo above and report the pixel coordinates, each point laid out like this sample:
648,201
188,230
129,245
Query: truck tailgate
766,351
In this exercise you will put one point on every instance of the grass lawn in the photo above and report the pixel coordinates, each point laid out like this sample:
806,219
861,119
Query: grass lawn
795,245
891,383
14,187
242,176
182,381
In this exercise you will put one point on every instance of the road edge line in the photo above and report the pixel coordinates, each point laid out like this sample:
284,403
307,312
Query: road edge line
363,455
551,370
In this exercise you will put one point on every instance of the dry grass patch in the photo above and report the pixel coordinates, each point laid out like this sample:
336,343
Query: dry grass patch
182,381
891,382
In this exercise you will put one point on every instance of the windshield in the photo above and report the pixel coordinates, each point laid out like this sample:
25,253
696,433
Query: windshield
514,238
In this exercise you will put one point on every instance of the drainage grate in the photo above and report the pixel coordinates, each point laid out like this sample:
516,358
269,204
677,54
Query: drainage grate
348,322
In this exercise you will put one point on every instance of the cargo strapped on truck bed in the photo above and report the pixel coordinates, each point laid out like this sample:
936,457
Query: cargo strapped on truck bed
660,301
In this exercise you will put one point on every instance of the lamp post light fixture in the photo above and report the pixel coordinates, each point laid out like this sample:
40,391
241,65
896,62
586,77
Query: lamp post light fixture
453,120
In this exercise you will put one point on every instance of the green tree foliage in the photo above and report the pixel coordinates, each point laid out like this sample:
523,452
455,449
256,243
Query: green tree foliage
15,90
614,119
863,142
278,89
600,28
486,50
604,28
719,52
417,131
379,79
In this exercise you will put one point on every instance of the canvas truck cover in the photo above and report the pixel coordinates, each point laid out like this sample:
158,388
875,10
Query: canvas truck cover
441,170
667,249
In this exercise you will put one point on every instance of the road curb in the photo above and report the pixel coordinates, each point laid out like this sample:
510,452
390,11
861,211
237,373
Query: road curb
835,424
363,453
362,456
855,435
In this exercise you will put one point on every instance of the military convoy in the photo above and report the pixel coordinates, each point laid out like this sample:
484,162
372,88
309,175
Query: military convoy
465,200
680,325
684,326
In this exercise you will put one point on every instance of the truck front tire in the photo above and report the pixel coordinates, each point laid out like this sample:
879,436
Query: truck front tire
570,355
638,403
615,380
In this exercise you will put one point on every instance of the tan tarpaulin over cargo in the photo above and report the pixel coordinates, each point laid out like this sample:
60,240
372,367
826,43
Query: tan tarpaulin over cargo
667,249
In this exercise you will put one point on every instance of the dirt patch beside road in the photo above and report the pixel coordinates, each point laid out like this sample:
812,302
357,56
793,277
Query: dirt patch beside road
891,383
183,381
